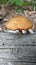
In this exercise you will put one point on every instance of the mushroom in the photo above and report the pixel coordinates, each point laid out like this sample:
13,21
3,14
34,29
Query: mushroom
19,23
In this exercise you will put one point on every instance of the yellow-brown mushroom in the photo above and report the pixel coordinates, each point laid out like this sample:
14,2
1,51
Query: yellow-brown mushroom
19,23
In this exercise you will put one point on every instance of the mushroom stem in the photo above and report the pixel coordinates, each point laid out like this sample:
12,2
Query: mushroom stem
24,31
16,31
0,29
31,31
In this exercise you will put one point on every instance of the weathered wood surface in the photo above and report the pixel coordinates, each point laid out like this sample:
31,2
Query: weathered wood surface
10,40
17,50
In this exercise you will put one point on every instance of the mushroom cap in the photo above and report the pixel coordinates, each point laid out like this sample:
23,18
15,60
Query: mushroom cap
18,23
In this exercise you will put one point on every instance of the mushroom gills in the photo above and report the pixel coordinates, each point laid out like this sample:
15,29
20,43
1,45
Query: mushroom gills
24,31
31,31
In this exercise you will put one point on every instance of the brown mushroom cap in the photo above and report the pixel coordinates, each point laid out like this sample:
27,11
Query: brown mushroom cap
18,23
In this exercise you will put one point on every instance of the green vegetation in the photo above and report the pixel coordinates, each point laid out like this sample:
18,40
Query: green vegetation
15,2
19,3
3,2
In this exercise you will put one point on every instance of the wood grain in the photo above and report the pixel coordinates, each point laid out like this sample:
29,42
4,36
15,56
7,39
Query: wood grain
17,50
